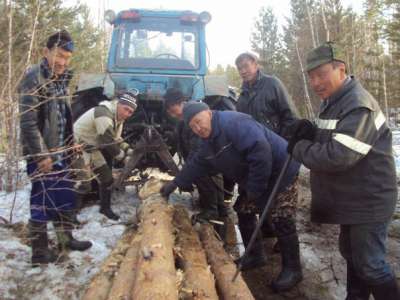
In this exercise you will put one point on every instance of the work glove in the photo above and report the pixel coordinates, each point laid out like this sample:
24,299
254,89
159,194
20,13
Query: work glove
129,152
302,130
120,156
167,189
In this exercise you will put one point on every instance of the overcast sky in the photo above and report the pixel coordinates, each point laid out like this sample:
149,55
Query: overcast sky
228,33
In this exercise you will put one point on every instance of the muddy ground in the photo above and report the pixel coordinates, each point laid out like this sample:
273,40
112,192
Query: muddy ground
323,267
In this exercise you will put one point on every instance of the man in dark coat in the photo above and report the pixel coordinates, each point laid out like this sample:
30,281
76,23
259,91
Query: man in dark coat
251,155
46,134
264,97
353,177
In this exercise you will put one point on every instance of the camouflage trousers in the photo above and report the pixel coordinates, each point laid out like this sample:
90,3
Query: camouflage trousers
285,205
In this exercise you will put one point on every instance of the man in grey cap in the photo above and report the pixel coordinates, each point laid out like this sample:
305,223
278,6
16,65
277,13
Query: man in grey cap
251,155
353,177
99,131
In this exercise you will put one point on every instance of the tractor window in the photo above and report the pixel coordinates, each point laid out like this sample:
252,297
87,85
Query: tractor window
157,45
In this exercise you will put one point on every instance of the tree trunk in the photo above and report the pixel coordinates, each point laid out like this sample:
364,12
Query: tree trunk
223,267
100,286
199,282
125,276
156,277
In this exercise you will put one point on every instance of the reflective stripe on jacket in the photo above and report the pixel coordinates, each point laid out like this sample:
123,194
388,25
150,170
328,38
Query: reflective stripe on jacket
353,177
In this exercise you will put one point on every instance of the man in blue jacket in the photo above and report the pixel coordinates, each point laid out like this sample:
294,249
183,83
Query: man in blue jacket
246,152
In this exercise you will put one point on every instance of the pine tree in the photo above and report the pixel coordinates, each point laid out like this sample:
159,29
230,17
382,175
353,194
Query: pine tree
266,41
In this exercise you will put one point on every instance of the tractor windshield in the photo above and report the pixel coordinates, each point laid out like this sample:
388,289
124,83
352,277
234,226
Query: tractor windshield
158,43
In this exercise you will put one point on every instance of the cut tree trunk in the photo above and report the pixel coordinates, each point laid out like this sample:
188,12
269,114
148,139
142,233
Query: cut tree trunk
198,281
223,267
125,277
99,287
156,277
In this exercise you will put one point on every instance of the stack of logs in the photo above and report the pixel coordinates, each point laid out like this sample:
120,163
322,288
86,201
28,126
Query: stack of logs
167,259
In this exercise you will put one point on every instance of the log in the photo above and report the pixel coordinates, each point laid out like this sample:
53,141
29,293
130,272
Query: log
124,278
99,287
223,267
156,276
199,283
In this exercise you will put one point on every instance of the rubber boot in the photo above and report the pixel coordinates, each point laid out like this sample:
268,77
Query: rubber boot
256,258
66,241
356,288
291,273
41,254
105,203
386,291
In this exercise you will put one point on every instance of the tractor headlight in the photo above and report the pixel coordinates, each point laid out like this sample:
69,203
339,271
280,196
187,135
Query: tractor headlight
205,17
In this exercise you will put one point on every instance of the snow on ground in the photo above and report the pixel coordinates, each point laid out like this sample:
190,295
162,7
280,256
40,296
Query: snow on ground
66,280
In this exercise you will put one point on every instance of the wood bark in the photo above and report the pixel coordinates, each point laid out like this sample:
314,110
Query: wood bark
100,286
124,278
199,283
156,277
223,267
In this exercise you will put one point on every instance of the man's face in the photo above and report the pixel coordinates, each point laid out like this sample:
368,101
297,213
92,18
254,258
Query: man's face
201,124
247,69
176,111
58,59
326,79
124,112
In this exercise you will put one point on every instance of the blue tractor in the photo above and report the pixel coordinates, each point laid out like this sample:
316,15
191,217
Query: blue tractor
151,51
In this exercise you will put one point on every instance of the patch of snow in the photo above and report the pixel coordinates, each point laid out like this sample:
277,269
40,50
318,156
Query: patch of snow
67,280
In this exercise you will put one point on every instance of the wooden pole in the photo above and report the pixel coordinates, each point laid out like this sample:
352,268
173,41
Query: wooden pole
100,286
156,276
223,267
125,276
199,282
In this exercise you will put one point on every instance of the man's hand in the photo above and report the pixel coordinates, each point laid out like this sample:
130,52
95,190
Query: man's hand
302,130
77,149
167,189
45,165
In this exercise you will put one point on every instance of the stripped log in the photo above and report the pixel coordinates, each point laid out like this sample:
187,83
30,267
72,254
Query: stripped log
223,267
156,276
125,277
99,287
199,283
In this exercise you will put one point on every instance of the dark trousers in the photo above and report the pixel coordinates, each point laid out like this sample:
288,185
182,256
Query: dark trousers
363,246
51,194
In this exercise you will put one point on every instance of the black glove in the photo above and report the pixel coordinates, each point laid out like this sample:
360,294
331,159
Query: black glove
302,130
167,189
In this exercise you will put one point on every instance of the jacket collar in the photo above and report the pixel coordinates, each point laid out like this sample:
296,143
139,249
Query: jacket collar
112,106
349,83
246,86
48,74
215,128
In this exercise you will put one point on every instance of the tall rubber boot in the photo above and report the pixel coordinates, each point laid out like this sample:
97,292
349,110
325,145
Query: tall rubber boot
41,254
291,273
256,258
66,241
386,291
105,203
356,288
208,198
